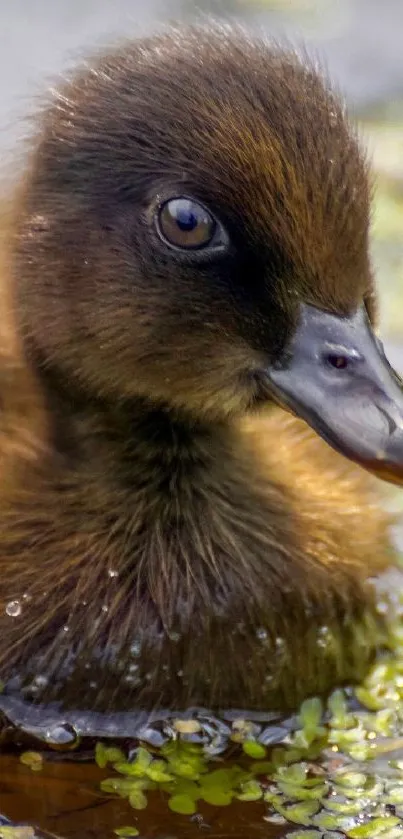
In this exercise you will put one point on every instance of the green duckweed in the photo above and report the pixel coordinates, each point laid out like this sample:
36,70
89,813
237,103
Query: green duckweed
254,749
108,754
377,827
34,760
337,773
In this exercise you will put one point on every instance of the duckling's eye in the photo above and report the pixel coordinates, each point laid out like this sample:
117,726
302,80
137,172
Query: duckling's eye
184,223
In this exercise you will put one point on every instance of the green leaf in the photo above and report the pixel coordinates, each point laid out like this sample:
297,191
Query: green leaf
100,755
369,699
300,813
351,779
157,771
254,749
294,774
220,779
183,804
329,821
137,799
301,793
108,754
143,758
32,759
124,786
131,770
250,791
188,788
395,796
218,797
262,767
126,831
310,713
344,808
375,827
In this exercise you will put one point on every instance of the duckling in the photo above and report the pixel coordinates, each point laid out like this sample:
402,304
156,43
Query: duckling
187,289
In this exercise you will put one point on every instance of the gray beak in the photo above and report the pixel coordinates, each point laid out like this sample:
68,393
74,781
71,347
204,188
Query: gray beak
335,376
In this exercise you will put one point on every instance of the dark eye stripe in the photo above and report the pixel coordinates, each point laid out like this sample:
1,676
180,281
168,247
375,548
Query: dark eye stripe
185,223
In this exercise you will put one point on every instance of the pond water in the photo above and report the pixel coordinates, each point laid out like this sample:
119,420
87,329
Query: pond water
361,42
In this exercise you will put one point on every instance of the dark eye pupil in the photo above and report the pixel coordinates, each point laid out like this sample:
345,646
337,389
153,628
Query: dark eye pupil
185,223
186,219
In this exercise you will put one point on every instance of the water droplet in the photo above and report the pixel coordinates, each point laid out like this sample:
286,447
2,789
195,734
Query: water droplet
261,634
13,608
153,737
324,636
174,636
37,224
112,573
105,608
66,628
40,681
62,734
135,648
132,680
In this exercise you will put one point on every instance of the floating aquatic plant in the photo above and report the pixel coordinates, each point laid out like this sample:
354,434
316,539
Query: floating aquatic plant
32,759
336,769
337,772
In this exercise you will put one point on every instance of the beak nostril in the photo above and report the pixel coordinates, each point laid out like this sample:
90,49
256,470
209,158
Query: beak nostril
341,358
339,362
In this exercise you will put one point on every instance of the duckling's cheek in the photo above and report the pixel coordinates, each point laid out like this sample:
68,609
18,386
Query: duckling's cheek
336,377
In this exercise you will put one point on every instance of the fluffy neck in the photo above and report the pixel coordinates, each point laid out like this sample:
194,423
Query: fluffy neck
143,530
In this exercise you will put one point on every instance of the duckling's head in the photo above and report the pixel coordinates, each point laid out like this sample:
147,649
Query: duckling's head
193,231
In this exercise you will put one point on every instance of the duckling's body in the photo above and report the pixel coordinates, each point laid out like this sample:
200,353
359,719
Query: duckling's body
185,552
170,536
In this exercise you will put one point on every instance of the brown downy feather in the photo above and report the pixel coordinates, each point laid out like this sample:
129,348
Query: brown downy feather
162,545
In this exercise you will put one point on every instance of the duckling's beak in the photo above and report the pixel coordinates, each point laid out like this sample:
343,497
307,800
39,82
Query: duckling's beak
335,376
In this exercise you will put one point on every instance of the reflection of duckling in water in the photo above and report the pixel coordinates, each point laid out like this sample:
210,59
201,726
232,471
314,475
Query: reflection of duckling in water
190,248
